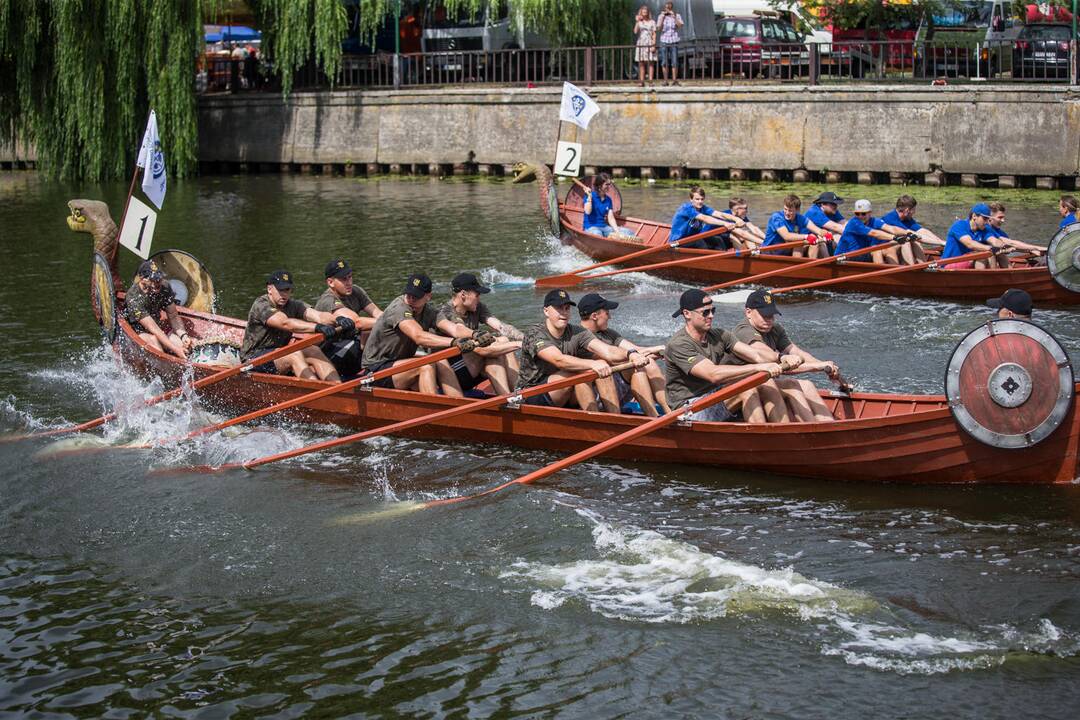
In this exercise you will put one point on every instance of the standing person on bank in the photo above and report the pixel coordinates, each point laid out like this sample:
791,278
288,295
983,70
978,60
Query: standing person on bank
668,25
645,53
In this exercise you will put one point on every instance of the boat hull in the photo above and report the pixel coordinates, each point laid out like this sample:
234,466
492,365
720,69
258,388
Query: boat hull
877,438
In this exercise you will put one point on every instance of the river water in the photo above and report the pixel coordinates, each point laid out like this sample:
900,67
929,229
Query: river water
611,590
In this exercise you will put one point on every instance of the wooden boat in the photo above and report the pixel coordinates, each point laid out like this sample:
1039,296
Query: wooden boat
971,284
970,436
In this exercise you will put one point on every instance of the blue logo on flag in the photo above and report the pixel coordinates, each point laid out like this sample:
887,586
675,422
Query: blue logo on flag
157,164
578,104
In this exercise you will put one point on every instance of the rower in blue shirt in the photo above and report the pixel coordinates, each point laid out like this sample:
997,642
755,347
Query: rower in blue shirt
864,230
692,217
599,216
903,216
790,225
968,236
1069,207
995,229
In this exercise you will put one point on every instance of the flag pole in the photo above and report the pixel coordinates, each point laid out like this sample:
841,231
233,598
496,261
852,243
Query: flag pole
134,176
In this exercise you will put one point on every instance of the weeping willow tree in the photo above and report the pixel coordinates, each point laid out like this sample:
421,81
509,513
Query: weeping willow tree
78,77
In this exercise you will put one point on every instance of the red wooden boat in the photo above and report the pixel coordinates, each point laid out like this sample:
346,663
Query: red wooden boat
1045,287
1030,434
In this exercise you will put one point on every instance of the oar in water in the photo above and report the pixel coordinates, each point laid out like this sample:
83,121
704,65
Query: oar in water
571,278
644,429
891,270
411,364
198,384
496,401
740,295
696,259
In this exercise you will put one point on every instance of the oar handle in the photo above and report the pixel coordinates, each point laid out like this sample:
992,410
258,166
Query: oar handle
799,266
645,428
891,270
496,401
694,260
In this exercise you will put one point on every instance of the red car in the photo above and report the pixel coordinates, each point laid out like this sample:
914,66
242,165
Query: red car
753,45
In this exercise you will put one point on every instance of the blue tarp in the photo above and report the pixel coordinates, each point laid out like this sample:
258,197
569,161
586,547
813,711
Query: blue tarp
233,33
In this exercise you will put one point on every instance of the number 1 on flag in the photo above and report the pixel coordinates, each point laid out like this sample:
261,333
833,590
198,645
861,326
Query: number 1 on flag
138,230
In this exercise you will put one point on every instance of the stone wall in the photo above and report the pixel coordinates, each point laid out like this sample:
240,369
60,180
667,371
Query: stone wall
960,129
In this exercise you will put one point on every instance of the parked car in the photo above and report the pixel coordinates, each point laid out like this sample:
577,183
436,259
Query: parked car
760,44
1042,51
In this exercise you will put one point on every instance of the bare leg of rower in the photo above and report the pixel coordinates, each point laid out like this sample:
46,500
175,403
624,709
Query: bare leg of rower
796,401
294,364
495,371
817,405
764,404
658,384
585,396
513,369
912,253
642,390
322,367
609,395
447,380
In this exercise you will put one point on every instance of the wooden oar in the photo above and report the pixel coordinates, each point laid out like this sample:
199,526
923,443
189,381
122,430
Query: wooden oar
406,366
402,425
621,439
209,380
576,279
570,278
891,270
788,268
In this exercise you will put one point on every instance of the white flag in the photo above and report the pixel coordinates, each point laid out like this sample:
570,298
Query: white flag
152,160
577,107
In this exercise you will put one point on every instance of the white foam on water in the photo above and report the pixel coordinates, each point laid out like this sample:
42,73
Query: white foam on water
498,279
643,576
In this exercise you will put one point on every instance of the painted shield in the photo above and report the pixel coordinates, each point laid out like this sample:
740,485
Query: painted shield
549,199
102,297
575,197
189,279
1063,257
1009,384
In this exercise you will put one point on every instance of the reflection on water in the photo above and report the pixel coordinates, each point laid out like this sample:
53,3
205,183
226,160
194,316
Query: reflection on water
612,589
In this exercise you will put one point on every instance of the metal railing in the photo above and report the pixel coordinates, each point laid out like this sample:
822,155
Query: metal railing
882,61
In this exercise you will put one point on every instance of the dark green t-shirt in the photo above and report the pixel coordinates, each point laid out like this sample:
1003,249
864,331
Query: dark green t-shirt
387,343
471,320
259,337
138,304
683,353
609,336
356,301
777,339
534,369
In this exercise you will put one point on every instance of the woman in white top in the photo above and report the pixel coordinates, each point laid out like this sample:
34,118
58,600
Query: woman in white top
645,54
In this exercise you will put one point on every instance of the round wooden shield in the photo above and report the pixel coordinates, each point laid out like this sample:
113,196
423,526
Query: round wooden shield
1009,384
102,296
575,197
1063,257
189,279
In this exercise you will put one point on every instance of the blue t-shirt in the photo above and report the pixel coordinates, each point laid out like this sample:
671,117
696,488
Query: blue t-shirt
1067,220
777,221
857,235
685,221
893,218
993,232
953,247
819,217
600,208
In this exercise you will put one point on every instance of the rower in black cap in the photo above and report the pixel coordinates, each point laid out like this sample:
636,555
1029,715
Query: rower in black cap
461,316
1014,304
696,366
770,341
645,383
273,319
148,296
555,349
344,299
407,324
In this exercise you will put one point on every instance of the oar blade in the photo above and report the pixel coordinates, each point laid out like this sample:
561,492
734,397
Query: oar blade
733,297
559,281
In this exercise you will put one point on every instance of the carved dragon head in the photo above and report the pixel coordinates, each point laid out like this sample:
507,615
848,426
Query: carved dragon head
92,217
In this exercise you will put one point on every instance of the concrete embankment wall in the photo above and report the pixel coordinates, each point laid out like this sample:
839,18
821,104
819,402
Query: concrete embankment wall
969,131
17,155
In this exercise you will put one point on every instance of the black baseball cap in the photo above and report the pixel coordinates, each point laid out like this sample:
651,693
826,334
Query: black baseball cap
828,197
468,281
762,301
1016,300
338,268
418,285
692,299
281,279
558,297
593,302
151,270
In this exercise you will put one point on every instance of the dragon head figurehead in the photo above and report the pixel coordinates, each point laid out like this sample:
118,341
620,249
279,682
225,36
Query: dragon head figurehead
92,216
549,205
